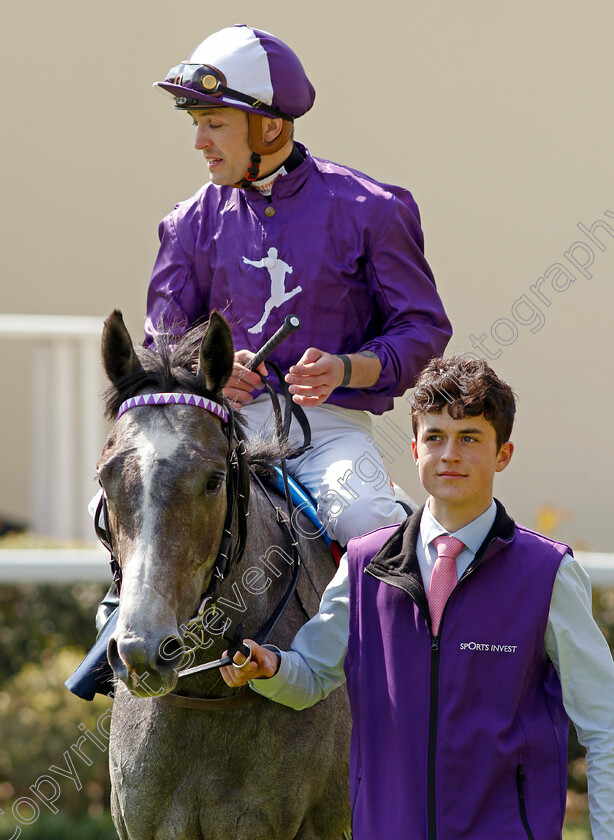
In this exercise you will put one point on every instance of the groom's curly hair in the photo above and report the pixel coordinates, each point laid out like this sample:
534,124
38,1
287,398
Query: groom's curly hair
466,388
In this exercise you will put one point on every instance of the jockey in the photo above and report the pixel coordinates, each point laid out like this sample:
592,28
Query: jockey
277,231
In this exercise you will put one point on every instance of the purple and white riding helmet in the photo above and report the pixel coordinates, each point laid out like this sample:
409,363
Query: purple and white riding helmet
248,69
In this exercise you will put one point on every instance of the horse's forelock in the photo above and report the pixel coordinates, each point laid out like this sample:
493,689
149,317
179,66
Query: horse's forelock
170,365
166,366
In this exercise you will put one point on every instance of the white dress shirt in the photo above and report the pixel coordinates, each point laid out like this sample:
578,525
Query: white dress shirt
313,666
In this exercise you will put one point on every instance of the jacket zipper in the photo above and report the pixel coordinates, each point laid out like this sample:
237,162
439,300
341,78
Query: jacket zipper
433,721
520,784
434,709
433,717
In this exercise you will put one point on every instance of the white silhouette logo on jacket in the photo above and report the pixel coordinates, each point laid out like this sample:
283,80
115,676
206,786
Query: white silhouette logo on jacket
277,272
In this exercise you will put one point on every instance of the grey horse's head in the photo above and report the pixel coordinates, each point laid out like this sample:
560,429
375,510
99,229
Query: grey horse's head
163,470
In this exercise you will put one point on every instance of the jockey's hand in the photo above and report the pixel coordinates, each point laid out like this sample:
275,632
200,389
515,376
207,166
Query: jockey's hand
242,382
314,377
263,664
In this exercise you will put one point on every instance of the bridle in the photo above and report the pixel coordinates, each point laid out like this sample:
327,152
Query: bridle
237,486
237,504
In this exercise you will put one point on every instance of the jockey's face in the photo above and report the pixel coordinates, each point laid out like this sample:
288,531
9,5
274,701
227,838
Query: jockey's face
221,135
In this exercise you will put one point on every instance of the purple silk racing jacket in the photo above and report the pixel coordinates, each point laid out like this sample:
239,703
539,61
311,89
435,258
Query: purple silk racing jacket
330,245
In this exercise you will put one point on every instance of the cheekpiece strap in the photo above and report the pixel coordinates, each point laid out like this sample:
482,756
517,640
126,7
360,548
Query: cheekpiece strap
174,399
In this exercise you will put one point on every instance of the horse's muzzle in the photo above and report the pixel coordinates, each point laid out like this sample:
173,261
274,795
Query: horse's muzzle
147,670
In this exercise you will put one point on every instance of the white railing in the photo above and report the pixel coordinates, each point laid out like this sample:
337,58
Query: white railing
52,565
67,432
599,565
66,427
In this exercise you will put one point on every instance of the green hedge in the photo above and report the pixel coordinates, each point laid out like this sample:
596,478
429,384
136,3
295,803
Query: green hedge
44,632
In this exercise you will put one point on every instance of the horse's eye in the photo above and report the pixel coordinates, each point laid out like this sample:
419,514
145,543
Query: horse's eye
214,484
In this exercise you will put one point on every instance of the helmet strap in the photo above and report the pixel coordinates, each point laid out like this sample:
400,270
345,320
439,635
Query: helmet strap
253,170
259,148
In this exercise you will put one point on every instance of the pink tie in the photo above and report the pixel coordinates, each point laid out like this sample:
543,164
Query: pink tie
443,578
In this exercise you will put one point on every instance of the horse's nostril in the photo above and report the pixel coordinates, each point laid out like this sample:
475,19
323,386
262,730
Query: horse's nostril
133,659
170,654
115,660
131,654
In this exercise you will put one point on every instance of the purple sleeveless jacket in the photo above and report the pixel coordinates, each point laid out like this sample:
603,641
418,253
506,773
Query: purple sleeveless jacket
464,735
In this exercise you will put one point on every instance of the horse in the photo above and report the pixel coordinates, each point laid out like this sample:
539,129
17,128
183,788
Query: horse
238,766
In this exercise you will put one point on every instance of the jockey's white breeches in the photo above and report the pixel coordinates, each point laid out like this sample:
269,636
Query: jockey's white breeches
343,471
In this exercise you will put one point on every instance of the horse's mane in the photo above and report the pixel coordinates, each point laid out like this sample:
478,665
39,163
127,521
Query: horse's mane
171,364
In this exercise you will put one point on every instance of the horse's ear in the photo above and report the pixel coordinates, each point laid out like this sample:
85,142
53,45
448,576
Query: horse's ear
118,356
216,353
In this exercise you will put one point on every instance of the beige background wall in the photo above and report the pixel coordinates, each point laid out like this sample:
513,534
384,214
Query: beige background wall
497,115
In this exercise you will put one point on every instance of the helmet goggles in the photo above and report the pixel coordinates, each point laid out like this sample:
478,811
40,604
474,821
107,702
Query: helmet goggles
208,80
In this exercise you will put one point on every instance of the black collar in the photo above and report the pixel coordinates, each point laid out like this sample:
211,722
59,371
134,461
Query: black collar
294,159
397,561
292,162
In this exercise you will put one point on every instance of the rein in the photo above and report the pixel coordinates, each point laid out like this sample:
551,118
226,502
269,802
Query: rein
238,485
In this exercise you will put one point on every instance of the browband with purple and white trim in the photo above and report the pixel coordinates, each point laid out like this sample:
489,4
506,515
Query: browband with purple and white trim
173,399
